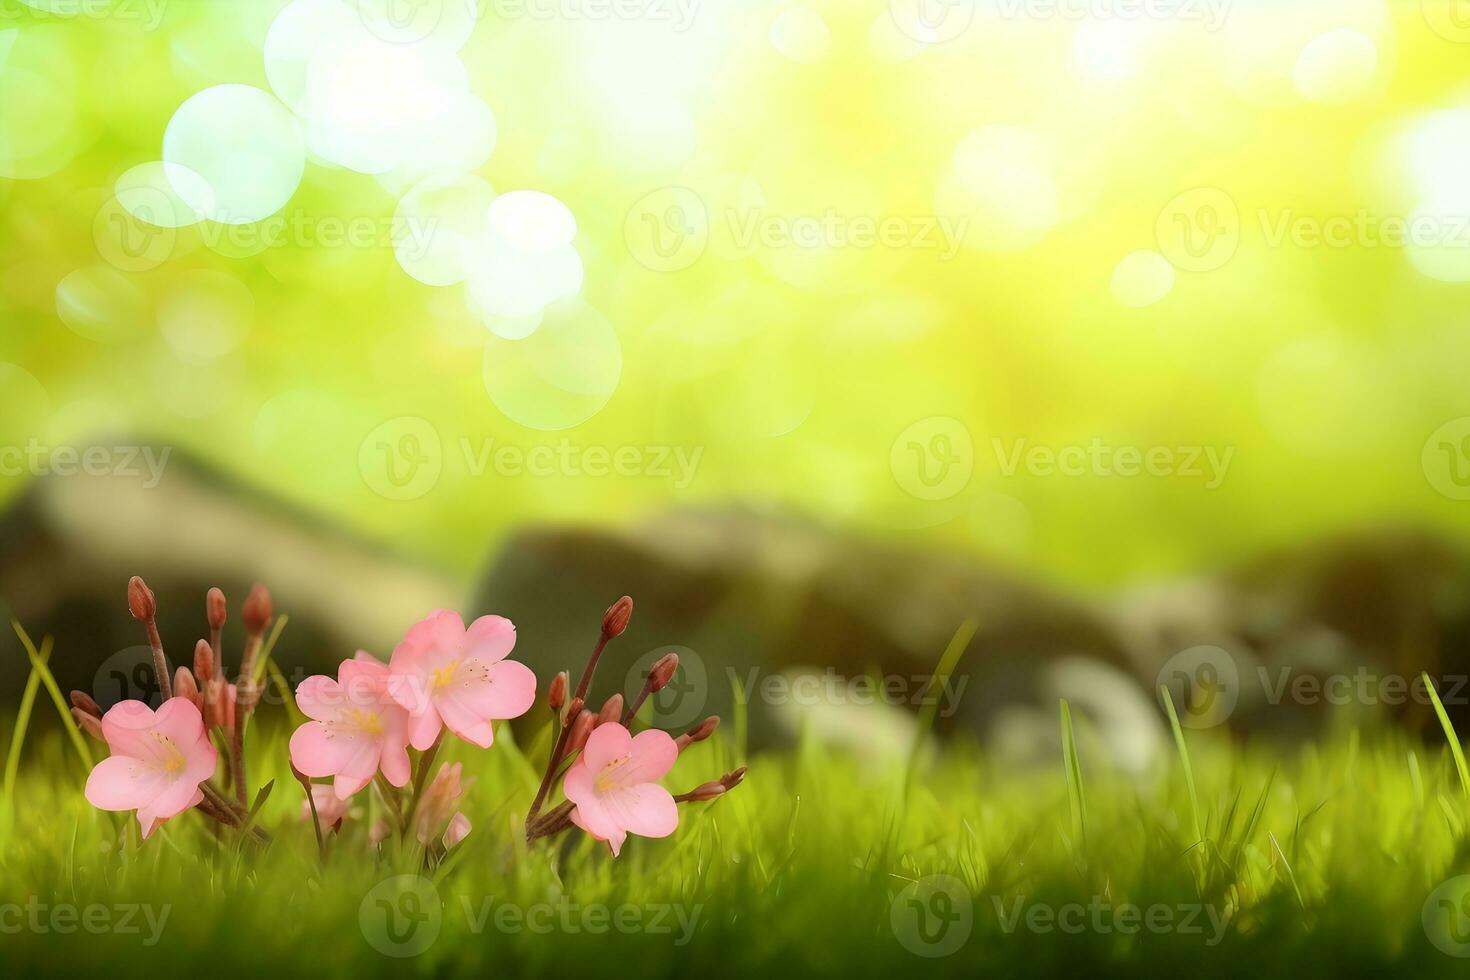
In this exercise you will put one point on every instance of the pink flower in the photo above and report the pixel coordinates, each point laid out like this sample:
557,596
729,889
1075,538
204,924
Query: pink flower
445,674
438,812
158,761
613,784
356,728
330,808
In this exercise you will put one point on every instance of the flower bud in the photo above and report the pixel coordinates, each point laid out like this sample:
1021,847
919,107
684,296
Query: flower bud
612,710
141,601
732,779
83,702
699,733
616,619
184,687
90,724
215,608
257,612
557,696
706,791
581,728
662,672
203,661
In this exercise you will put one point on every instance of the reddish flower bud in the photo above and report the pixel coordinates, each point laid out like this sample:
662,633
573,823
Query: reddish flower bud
203,661
581,728
612,710
215,608
699,733
90,724
141,601
184,687
705,792
257,612
662,672
557,696
617,617
733,779
83,702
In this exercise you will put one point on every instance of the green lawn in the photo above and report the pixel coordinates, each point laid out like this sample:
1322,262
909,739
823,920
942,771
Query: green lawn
1315,859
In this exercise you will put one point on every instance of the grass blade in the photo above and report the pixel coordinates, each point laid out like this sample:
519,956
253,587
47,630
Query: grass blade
1449,733
62,707
1076,795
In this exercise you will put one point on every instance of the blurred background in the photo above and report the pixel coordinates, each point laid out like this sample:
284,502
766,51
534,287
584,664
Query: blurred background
1131,332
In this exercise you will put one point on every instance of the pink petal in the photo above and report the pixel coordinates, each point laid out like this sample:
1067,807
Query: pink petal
594,818
647,810
424,728
459,829
123,783
578,783
606,743
394,761
319,697
358,770
654,754
318,751
127,727
179,720
490,639
465,723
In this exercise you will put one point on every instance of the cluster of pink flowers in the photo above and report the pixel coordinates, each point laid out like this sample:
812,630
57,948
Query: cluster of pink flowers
443,676
163,762
382,724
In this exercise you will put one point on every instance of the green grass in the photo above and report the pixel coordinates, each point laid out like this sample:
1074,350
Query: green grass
1323,858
